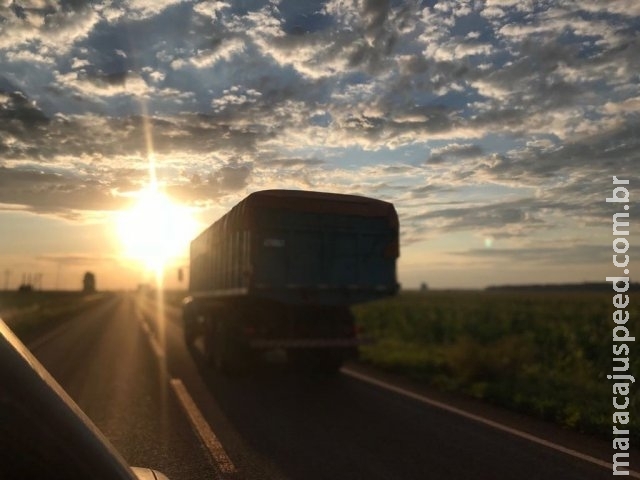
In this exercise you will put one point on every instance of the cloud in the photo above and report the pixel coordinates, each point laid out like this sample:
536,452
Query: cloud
17,112
224,50
627,8
454,151
496,118
88,261
141,9
52,193
495,215
403,103
232,177
614,149
57,25
97,84
547,255
298,163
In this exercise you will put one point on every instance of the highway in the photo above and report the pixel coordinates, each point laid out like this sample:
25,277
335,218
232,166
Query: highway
126,365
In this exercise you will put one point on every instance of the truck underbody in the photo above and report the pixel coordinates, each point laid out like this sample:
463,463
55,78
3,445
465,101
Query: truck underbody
236,331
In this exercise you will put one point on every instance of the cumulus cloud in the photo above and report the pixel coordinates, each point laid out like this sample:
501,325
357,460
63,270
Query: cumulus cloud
547,255
470,117
54,24
454,151
61,194
95,84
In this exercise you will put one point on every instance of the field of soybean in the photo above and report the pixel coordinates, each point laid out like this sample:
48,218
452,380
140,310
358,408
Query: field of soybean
544,353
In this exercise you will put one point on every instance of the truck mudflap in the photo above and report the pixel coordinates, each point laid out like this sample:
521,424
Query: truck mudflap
288,343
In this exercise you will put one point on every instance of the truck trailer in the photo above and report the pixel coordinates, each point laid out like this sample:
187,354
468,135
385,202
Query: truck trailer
280,271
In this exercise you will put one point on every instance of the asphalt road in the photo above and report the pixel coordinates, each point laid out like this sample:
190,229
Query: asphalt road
275,424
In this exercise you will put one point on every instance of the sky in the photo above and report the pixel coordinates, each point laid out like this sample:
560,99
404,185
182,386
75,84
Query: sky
494,127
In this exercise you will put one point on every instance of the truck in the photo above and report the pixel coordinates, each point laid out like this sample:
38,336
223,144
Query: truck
281,270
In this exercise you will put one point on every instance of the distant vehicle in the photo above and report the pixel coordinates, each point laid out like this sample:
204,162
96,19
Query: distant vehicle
89,283
280,270
43,433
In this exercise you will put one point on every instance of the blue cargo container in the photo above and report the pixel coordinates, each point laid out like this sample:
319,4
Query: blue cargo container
281,268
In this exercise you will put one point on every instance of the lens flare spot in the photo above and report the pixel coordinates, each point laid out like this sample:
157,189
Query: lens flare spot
155,230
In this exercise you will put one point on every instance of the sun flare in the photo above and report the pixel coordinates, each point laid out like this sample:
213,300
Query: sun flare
155,230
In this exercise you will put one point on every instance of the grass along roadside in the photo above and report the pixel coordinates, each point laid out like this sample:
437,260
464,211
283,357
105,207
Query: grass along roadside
546,354
31,314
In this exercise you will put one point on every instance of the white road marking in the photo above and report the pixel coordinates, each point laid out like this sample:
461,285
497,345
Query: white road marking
155,346
203,429
484,421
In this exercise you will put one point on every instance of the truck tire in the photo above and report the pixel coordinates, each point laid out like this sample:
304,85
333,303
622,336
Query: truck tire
226,351
219,354
189,327
209,341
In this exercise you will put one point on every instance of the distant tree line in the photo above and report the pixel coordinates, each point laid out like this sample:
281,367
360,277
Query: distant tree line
562,287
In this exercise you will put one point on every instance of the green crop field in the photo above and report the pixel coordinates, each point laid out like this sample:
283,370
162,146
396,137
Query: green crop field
543,353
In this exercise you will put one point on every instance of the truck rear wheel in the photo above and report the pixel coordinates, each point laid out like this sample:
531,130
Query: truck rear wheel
189,326
226,352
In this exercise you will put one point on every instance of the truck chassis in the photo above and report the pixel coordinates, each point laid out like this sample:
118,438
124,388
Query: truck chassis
236,331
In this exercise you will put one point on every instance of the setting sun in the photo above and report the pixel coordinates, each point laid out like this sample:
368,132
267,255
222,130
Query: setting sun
155,230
